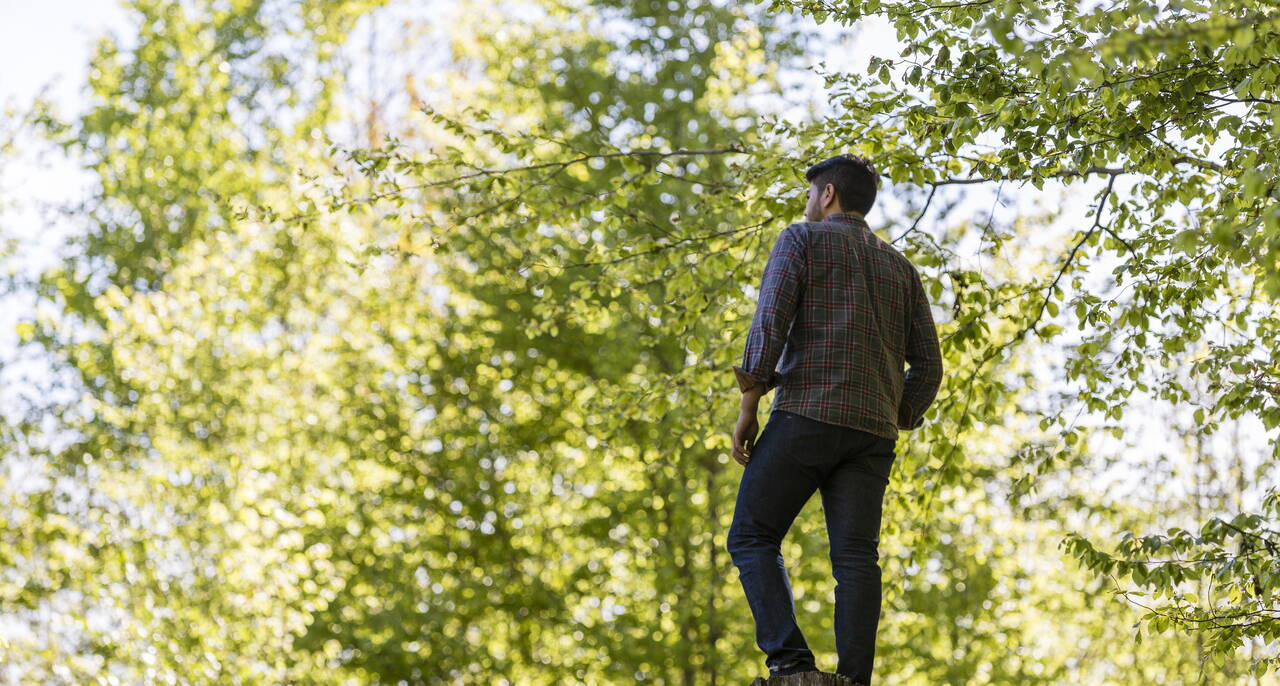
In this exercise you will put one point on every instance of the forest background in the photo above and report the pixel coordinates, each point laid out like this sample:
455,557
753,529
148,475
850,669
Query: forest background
383,342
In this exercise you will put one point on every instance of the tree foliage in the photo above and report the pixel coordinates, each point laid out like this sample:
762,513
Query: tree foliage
449,400
986,93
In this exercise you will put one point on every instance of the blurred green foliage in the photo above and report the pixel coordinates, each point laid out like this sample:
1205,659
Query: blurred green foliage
450,401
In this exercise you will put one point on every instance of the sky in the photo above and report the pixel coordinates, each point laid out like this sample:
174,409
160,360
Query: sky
49,44
51,40
44,45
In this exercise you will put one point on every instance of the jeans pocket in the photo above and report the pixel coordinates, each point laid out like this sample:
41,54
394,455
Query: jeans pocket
810,442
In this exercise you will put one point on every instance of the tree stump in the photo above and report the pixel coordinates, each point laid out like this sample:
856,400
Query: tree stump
806,679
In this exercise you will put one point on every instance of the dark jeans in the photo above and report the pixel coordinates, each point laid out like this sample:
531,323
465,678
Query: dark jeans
794,456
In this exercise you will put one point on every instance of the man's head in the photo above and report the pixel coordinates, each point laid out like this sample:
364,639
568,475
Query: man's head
844,183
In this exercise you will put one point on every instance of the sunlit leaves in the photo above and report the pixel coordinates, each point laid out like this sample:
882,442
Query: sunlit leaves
459,405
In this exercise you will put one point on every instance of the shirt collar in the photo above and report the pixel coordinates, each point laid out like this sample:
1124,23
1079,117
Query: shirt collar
845,218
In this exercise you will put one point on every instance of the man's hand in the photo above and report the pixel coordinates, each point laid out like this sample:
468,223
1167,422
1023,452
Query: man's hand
744,435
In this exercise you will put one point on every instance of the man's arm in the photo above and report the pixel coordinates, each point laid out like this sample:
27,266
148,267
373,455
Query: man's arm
780,291
924,376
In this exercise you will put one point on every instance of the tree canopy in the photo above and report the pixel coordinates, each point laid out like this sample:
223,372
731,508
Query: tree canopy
399,342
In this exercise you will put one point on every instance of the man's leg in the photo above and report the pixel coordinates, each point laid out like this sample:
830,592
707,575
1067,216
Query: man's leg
852,498
773,490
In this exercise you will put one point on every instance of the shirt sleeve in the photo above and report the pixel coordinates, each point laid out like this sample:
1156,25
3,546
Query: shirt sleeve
924,355
780,293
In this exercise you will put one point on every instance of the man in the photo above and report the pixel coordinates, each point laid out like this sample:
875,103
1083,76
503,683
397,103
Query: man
840,311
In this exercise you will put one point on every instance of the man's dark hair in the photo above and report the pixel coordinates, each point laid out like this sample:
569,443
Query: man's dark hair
854,177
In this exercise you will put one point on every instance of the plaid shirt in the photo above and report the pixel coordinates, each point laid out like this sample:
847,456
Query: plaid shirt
840,312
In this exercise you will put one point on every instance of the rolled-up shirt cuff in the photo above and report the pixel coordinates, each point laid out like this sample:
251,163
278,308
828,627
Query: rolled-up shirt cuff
746,381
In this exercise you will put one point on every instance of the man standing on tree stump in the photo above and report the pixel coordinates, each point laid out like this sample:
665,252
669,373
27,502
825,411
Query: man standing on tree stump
840,313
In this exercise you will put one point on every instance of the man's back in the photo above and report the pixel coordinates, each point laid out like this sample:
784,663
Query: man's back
840,312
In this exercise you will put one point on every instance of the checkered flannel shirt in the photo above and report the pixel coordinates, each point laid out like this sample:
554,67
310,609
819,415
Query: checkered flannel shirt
840,311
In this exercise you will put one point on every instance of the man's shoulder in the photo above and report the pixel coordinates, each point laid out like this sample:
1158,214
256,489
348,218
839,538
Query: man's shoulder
797,233
802,231
805,226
